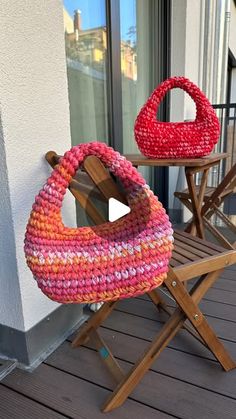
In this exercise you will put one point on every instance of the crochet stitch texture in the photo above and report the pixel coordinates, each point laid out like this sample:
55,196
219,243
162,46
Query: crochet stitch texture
191,139
81,265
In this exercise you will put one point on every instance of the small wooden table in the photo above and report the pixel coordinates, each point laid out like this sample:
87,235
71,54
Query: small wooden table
192,166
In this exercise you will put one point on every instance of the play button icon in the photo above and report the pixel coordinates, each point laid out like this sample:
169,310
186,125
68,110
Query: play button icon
112,208
116,209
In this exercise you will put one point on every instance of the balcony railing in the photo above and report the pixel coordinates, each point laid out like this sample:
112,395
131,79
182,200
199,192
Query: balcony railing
227,117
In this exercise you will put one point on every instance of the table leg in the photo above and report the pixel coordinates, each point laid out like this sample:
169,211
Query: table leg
196,226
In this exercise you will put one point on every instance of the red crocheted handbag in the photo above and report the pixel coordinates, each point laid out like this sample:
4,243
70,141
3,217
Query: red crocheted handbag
177,139
127,257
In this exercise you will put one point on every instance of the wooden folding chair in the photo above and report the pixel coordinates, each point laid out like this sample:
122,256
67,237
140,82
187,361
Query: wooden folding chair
213,200
192,257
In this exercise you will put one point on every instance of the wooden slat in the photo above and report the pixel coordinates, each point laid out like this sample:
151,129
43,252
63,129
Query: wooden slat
153,390
209,246
230,273
223,328
179,257
225,284
185,193
194,244
174,263
16,406
140,327
190,249
223,296
177,364
209,308
181,250
72,396
210,264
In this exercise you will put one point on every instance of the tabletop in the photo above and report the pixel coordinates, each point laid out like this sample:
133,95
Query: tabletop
140,160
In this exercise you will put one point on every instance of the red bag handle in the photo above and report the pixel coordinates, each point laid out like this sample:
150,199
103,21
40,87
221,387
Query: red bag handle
203,106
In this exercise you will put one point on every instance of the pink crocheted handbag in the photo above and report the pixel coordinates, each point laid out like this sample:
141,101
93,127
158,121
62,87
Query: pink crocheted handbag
176,139
106,262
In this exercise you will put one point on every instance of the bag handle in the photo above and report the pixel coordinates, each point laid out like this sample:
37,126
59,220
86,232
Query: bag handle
49,200
203,106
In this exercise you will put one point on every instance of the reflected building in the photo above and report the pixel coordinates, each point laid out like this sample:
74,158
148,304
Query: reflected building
89,46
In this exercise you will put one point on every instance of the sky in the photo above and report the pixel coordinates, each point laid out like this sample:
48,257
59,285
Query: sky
93,13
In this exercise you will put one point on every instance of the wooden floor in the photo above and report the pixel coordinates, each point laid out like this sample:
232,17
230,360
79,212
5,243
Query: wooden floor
185,382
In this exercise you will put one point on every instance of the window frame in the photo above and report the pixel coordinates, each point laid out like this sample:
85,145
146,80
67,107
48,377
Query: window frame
161,13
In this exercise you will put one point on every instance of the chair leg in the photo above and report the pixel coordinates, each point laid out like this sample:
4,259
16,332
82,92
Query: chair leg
107,357
196,204
157,300
93,323
225,219
188,304
219,236
130,381
188,310
161,304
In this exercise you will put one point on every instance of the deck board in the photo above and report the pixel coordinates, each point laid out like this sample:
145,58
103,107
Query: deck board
185,382
167,400
72,395
15,406
223,328
209,308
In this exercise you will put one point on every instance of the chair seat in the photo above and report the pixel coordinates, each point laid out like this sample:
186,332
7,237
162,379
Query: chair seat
208,192
192,255
185,193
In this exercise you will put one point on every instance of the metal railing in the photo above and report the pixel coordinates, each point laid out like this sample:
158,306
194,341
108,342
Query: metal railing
227,142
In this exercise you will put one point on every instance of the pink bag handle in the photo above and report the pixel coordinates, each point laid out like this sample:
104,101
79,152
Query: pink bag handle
49,200
203,106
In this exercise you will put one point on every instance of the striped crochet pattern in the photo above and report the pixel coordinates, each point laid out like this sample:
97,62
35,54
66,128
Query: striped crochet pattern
191,139
81,265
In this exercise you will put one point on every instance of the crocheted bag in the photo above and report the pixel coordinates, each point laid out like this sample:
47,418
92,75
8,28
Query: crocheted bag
114,260
176,139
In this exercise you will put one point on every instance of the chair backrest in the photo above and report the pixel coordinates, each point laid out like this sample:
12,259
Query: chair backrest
82,189
225,188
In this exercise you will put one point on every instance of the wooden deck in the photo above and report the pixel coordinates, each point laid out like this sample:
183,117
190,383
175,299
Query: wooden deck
185,382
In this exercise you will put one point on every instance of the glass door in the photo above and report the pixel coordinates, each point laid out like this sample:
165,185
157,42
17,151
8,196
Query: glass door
116,52
144,49
86,59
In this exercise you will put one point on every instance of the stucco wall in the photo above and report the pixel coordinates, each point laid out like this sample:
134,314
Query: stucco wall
232,32
35,119
185,45
233,86
199,51
232,45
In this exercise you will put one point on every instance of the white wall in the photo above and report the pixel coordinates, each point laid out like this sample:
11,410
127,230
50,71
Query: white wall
232,46
233,86
199,51
232,32
185,45
35,118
